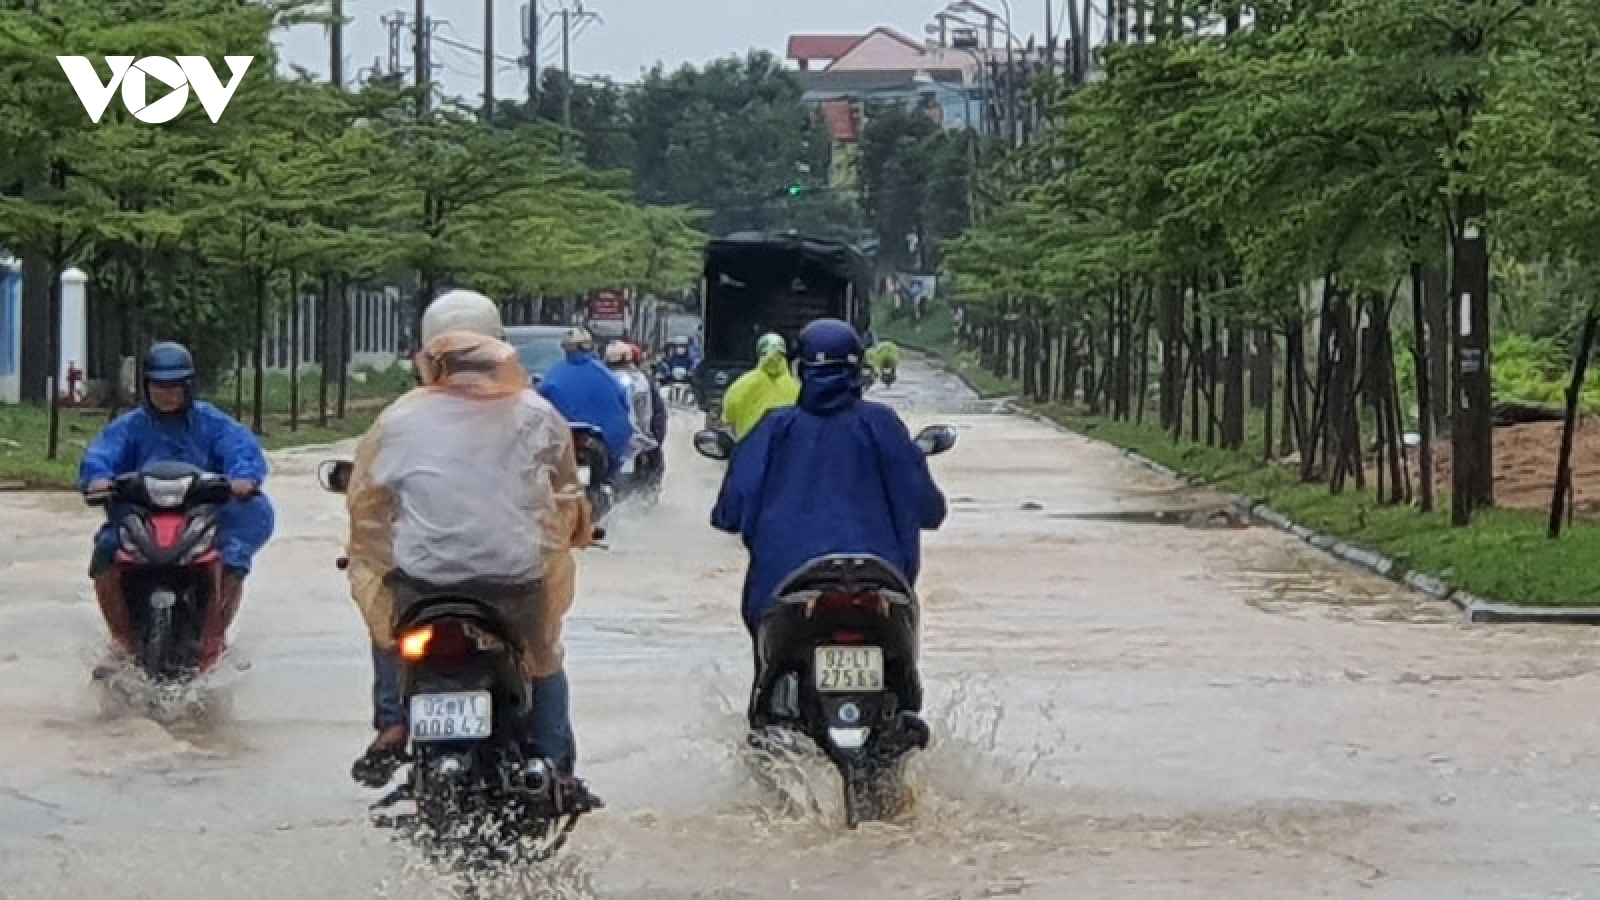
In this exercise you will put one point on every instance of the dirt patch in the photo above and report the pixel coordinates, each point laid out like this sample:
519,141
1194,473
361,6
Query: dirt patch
1525,466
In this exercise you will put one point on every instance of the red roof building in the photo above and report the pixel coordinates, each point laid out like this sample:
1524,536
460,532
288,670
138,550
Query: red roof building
806,49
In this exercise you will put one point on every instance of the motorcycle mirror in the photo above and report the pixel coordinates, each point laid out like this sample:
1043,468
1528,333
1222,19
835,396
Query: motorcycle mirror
334,475
713,443
936,439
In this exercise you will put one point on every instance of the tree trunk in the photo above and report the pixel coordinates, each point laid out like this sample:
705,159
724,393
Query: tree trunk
346,344
1233,391
1436,312
1295,434
1144,367
1197,378
35,319
1262,380
1171,325
57,265
1213,368
325,355
1423,368
259,337
1569,428
1472,434
294,350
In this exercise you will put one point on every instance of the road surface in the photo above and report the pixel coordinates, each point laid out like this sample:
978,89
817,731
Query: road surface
1123,707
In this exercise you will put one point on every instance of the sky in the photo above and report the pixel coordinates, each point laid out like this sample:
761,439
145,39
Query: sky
629,38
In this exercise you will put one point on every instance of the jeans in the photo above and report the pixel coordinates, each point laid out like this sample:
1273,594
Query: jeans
547,730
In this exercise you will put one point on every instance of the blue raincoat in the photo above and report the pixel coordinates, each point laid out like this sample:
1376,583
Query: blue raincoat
204,437
835,474
583,390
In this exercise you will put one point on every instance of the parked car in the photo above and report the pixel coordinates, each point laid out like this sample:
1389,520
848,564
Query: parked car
538,347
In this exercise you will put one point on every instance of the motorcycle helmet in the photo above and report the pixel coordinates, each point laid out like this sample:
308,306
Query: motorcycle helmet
636,354
829,342
169,362
578,340
771,344
461,310
618,354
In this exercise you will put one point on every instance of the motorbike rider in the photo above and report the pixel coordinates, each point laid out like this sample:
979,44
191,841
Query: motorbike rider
620,360
656,426
884,357
833,474
582,390
470,477
174,425
679,355
768,386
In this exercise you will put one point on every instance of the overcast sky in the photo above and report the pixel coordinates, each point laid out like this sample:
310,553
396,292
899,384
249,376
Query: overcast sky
631,36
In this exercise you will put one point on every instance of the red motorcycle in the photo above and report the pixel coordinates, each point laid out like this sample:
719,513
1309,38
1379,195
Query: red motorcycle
170,568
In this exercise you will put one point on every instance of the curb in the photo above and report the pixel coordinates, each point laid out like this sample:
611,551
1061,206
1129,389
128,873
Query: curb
1476,609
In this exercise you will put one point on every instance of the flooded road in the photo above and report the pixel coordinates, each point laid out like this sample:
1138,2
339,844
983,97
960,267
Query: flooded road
1124,704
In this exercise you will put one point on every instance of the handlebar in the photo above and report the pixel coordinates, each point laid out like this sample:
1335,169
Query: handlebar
598,535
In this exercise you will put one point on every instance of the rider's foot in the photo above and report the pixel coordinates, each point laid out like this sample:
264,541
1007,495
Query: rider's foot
377,766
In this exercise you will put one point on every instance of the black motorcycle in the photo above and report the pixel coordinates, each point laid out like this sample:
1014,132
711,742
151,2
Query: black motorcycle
479,799
168,563
838,662
594,468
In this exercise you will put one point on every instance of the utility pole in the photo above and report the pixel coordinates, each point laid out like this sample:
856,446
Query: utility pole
395,23
422,61
336,46
568,17
488,61
530,41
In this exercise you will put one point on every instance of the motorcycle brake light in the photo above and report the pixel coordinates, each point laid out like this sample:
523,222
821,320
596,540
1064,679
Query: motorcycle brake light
841,601
849,637
444,642
414,644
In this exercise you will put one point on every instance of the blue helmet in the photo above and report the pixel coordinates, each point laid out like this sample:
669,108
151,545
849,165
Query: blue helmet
170,362
829,342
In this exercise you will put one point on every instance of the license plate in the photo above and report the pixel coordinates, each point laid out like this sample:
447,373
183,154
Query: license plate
463,716
583,475
842,670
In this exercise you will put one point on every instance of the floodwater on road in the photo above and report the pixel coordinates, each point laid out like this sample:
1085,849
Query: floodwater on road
1124,705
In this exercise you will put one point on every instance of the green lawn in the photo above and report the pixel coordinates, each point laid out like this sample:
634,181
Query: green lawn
23,432
1503,556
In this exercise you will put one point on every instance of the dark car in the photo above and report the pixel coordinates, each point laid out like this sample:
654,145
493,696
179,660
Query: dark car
538,347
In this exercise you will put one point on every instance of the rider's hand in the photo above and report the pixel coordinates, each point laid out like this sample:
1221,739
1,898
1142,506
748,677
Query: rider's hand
243,487
98,486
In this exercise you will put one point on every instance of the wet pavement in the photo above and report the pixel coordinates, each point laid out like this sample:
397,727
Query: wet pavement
1122,708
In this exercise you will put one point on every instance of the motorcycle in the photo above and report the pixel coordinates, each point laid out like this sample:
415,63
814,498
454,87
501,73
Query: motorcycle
479,799
838,662
888,377
589,446
169,565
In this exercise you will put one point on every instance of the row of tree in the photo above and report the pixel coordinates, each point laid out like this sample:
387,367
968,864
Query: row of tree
1240,213
199,230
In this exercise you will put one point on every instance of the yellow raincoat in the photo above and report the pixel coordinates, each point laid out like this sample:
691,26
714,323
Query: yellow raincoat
766,387
470,477
884,356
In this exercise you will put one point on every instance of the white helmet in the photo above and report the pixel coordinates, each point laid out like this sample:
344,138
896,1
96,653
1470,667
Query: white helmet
461,310
618,353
